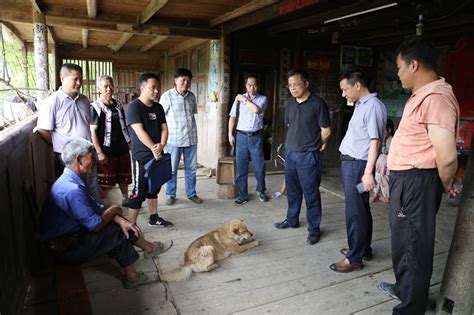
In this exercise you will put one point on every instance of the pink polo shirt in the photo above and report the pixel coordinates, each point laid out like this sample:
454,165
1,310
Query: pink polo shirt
433,103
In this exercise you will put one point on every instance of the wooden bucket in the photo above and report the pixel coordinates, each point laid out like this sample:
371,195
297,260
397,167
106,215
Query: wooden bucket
225,177
226,170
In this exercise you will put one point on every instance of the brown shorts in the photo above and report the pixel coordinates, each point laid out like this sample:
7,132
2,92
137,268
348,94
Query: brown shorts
117,170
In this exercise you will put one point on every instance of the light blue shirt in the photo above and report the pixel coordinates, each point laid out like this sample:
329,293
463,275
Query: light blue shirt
248,120
180,110
367,123
68,208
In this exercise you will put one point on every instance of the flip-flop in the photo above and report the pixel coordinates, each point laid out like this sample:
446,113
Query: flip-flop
160,248
141,280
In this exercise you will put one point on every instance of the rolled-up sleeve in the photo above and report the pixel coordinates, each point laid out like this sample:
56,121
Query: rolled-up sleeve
84,208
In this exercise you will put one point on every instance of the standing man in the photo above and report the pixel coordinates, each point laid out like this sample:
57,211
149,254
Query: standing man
148,133
422,163
64,115
249,118
180,107
110,137
307,118
359,151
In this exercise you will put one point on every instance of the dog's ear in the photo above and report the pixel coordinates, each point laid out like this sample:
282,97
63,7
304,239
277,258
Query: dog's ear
235,227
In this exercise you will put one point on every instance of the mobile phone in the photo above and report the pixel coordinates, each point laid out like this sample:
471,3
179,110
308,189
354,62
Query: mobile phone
360,188
132,237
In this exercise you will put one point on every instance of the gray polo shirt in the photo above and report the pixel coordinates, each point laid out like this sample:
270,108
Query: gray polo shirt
180,111
65,117
249,121
367,123
304,121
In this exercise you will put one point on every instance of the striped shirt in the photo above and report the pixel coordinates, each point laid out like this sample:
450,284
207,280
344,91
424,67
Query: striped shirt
180,110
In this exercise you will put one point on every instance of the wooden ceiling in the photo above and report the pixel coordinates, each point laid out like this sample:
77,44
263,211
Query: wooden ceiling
132,25
149,27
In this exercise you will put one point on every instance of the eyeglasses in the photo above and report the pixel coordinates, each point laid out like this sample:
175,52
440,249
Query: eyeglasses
294,85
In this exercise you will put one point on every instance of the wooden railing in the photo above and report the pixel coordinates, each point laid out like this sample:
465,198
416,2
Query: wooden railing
26,171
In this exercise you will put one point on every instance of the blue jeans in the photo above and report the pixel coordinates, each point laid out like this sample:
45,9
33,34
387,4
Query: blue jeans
358,216
190,164
253,146
303,177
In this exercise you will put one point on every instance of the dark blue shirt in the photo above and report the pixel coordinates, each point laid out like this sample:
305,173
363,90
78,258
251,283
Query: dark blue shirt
68,208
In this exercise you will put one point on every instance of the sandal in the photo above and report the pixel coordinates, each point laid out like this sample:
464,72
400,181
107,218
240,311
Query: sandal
160,248
141,280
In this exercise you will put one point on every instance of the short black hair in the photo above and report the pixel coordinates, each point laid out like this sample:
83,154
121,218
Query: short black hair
68,67
144,77
303,74
419,49
354,75
390,126
251,76
183,72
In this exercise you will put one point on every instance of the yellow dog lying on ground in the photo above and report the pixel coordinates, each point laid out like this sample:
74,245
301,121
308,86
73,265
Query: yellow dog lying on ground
232,237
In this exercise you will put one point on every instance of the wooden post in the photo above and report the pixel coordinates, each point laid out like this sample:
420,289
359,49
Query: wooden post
24,63
223,101
457,288
40,33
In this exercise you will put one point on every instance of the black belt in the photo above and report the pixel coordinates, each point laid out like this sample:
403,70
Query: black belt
347,158
251,134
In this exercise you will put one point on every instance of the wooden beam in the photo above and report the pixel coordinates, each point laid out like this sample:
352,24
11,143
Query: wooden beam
318,18
92,8
85,37
185,46
52,35
124,56
14,32
19,13
153,43
245,9
125,37
151,9
35,6
253,18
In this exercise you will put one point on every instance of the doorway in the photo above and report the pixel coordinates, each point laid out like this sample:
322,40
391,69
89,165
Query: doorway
267,86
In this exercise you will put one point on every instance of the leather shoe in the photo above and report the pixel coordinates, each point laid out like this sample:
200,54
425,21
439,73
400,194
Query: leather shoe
195,199
367,257
170,201
312,239
345,266
284,225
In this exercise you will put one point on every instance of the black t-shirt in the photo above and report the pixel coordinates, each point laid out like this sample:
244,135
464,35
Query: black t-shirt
304,121
151,117
118,144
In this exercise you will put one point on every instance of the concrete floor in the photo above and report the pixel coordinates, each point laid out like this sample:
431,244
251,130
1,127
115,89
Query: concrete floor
283,275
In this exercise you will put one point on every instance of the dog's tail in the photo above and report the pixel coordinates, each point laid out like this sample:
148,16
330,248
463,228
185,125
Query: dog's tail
178,274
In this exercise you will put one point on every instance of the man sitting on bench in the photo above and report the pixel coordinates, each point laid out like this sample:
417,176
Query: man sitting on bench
78,229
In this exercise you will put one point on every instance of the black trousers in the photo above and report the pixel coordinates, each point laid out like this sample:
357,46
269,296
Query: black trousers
109,241
415,197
